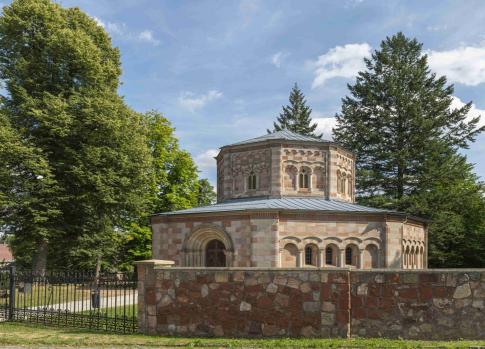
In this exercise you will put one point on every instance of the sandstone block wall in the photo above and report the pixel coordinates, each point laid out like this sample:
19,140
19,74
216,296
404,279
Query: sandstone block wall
277,166
259,239
430,304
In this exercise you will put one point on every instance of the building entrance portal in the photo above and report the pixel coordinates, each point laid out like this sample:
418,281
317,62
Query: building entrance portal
215,254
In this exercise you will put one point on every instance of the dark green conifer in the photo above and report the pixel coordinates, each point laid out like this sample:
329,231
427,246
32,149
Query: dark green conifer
296,116
399,121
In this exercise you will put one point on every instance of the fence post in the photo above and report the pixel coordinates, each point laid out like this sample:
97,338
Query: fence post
11,300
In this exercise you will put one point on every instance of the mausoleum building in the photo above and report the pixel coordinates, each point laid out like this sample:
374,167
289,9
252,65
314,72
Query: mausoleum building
288,200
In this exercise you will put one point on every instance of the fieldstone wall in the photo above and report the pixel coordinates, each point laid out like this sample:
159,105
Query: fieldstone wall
429,304
252,302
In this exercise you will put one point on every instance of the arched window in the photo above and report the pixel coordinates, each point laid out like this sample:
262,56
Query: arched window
291,177
304,181
338,182
370,257
349,185
329,256
348,256
406,258
342,183
412,263
352,255
311,253
421,258
319,179
252,181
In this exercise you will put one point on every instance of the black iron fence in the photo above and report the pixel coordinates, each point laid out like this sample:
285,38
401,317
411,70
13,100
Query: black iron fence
72,299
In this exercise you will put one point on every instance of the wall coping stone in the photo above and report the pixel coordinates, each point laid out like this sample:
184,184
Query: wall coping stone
156,263
353,270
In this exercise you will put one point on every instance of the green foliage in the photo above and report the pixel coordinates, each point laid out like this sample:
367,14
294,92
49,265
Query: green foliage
136,246
26,189
399,123
176,177
296,116
206,196
62,74
176,186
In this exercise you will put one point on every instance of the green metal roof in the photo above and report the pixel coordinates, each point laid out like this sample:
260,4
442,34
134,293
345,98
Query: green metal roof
282,135
284,204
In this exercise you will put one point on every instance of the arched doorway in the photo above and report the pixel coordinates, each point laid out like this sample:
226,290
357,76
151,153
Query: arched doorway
215,254
200,242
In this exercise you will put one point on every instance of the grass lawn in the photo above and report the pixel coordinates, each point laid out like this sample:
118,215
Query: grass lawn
50,295
25,335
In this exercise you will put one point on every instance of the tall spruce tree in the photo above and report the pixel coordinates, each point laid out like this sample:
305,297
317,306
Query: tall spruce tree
62,74
296,116
407,138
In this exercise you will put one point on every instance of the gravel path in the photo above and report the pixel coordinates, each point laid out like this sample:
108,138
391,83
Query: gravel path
105,302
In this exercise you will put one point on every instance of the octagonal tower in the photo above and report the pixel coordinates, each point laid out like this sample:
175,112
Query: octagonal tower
285,164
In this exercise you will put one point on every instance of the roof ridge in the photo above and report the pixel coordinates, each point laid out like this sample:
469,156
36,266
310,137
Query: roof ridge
284,203
283,135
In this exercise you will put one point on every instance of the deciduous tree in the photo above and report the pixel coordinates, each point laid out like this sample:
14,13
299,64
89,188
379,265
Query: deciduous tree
61,73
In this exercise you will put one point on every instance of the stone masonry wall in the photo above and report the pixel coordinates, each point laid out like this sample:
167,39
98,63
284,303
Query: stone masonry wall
235,302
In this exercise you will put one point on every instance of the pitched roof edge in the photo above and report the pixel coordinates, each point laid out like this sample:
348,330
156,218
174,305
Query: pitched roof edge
291,211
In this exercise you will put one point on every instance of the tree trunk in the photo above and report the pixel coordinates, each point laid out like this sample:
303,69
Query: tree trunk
98,268
39,260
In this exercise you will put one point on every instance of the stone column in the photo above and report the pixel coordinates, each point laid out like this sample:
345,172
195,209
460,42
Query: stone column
321,258
229,258
361,259
341,262
301,258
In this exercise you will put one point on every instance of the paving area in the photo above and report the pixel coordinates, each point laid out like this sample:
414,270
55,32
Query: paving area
128,298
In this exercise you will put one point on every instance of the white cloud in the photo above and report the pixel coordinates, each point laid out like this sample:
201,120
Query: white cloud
120,29
111,27
325,125
147,36
474,111
190,101
436,28
99,21
206,159
465,65
277,58
340,61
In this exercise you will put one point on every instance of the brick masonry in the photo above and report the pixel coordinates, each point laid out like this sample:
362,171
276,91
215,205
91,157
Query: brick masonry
253,302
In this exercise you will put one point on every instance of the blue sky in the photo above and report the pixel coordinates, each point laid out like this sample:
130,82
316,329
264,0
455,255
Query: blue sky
221,70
